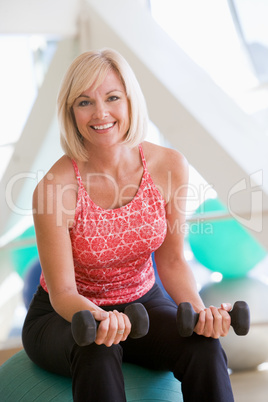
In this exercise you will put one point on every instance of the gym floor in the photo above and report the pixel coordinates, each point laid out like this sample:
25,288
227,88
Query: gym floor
250,386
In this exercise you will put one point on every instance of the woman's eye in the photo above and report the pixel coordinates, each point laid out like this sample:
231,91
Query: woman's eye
84,103
113,98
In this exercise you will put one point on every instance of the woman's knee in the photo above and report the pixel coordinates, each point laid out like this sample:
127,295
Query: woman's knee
206,349
96,357
97,373
202,353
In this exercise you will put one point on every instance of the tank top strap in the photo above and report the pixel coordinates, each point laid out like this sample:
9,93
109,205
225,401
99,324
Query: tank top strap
77,173
143,158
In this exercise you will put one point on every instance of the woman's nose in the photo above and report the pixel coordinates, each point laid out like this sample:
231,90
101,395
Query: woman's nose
100,111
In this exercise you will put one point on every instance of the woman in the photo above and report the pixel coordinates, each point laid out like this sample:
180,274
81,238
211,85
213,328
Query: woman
100,212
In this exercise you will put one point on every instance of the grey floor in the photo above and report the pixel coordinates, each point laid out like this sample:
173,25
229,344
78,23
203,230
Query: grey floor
250,386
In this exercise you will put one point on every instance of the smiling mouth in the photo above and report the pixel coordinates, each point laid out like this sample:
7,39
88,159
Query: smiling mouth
103,127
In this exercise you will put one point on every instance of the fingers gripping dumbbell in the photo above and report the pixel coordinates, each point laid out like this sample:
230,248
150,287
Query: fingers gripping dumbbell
84,326
187,318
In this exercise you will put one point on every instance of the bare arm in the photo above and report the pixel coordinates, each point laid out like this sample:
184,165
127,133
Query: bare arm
174,272
54,202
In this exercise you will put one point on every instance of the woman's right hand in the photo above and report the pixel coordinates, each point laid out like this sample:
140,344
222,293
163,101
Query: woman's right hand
114,327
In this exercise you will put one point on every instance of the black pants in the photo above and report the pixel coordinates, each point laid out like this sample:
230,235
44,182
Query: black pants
198,362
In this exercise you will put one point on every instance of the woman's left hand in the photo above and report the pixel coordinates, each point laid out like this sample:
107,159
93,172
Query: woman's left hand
214,322
113,329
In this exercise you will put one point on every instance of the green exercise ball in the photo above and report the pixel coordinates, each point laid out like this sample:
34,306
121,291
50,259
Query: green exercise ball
21,380
23,257
223,245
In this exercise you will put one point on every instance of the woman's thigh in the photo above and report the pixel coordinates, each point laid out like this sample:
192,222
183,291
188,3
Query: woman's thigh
163,348
46,336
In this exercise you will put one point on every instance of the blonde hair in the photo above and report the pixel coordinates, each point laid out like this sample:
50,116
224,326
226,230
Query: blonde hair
91,68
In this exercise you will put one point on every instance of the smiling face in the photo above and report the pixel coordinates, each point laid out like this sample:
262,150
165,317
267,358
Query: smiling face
102,113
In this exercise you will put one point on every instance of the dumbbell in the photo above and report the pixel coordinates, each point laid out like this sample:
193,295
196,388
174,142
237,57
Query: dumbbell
84,326
187,318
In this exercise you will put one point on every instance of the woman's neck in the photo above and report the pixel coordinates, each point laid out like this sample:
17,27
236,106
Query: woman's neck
112,160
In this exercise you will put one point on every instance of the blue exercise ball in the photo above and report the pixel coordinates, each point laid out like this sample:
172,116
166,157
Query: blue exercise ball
31,281
158,280
223,245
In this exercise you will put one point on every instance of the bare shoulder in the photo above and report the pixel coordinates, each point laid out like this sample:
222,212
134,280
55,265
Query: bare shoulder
167,167
62,172
161,160
58,185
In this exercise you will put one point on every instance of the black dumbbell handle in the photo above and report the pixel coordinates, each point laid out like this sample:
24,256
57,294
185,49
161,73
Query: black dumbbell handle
187,318
84,326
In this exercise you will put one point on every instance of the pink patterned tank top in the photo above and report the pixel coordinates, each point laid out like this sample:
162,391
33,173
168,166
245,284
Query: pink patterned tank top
112,247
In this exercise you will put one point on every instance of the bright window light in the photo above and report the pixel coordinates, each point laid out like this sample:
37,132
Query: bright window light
206,31
18,89
24,62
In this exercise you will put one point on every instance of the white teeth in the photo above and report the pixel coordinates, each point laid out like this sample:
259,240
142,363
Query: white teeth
104,126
